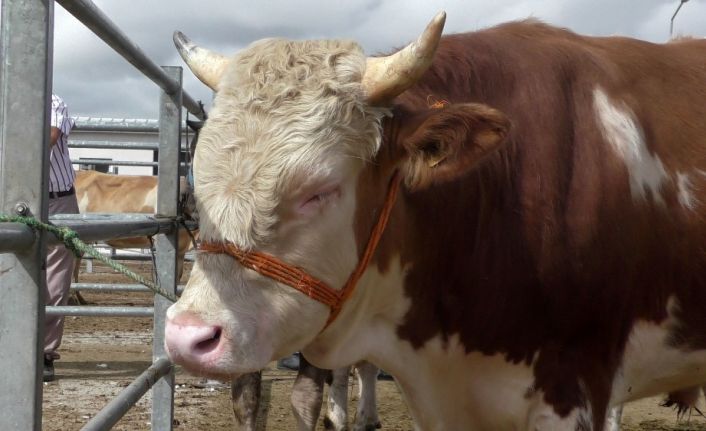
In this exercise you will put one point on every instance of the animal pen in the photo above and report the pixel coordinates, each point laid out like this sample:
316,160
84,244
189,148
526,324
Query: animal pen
25,76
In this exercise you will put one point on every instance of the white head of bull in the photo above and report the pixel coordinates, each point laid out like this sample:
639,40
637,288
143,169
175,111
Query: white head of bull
279,166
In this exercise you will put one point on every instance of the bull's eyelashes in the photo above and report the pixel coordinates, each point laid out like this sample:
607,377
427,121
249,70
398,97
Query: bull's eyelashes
312,203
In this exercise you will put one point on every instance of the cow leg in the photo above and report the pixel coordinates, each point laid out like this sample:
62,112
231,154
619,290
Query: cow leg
612,422
245,395
337,407
366,417
308,394
77,269
75,297
180,267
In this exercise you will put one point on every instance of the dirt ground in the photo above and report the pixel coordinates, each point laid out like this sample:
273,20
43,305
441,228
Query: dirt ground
101,356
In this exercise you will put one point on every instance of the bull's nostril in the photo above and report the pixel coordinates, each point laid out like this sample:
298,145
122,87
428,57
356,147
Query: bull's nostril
209,344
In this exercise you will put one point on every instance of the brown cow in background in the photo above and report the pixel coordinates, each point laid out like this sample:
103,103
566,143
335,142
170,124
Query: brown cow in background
97,192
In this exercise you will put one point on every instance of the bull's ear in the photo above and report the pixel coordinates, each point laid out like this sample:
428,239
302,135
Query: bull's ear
445,143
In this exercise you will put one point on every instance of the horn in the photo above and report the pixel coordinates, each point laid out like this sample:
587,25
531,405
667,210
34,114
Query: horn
207,65
387,77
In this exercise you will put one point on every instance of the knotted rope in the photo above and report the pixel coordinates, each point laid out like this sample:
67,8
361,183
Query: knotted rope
79,248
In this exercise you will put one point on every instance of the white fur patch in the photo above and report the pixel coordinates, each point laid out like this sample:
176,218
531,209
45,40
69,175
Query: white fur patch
470,390
368,321
338,399
652,366
366,415
623,133
150,198
613,418
684,190
83,203
542,417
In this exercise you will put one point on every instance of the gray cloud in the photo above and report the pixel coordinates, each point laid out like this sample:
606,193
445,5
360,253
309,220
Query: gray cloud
96,81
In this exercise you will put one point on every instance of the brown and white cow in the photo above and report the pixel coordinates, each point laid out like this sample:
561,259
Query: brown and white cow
97,192
545,257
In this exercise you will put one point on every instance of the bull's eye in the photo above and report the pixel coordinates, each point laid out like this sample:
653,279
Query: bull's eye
317,201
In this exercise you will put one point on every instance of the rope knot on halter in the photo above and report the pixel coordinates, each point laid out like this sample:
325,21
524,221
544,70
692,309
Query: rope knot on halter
295,277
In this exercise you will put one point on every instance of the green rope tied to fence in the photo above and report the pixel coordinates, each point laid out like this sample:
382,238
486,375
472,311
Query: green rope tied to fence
79,248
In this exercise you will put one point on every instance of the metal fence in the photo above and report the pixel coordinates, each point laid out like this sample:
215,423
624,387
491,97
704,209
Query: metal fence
91,136
25,89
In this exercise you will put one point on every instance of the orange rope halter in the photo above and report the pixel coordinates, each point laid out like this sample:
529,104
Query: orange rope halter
435,103
295,277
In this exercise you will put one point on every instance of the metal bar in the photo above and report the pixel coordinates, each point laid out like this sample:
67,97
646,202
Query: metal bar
95,229
85,310
26,40
118,406
135,257
15,236
93,18
123,256
671,21
100,287
166,244
114,162
103,162
119,217
112,145
99,124
122,125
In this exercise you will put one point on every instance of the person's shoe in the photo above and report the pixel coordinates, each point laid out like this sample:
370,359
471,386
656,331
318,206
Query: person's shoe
48,370
290,362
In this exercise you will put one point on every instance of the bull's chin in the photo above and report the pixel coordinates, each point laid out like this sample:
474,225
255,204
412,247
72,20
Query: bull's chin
225,374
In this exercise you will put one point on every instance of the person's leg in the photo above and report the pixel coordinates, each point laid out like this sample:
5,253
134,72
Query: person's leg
59,269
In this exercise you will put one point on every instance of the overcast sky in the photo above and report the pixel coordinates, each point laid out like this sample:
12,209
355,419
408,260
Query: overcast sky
95,81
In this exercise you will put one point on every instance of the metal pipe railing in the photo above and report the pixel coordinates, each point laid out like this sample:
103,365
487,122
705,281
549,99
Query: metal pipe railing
112,145
102,162
103,311
25,87
15,237
103,227
162,416
90,228
121,125
118,406
107,287
25,81
93,18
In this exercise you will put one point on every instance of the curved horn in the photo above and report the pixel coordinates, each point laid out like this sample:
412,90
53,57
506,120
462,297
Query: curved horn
208,66
387,77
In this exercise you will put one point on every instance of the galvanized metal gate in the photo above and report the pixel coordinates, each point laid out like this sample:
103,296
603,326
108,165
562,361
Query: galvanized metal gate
25,94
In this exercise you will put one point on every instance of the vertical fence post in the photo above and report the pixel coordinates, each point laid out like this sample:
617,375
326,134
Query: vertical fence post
167,205
25,86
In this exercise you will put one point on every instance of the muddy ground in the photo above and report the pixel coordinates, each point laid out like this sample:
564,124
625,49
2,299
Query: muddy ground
101,356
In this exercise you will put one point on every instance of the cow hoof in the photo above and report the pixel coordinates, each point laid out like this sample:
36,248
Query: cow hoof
329,425
373,427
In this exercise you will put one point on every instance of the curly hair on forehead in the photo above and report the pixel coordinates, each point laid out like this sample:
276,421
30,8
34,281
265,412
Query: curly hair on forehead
281,106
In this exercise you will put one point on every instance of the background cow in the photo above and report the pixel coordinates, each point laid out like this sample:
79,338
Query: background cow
97,192
544,258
